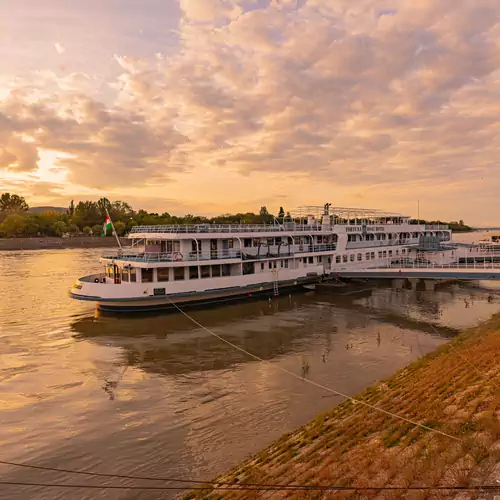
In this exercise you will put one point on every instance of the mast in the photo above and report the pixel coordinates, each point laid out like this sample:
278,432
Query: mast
113,228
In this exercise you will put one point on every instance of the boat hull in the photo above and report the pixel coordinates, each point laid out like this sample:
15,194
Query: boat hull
199,299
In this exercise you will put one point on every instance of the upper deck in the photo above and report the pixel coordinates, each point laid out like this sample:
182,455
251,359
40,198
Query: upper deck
139,232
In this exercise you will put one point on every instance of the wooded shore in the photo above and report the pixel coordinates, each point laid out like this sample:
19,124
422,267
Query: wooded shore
49,242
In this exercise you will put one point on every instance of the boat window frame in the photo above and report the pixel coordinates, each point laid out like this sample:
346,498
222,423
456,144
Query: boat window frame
247,268
177,276
159,270
146,271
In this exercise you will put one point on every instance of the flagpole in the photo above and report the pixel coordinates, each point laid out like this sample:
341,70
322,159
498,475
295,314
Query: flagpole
113,228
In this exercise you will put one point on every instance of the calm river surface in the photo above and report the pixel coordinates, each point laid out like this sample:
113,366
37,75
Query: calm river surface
160,396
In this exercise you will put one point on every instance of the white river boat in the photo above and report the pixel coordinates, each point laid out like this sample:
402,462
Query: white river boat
183,265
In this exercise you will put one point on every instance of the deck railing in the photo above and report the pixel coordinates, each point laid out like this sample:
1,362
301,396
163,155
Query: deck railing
246,228
434,265
238,254
351,245
224,228
177,256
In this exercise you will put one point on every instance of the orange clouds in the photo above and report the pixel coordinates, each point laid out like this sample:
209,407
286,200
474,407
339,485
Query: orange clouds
362,96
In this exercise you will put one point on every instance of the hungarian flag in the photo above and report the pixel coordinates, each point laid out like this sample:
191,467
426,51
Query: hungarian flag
107,225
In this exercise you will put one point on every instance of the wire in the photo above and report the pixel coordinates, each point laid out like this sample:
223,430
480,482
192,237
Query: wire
262,488
245,486
338,393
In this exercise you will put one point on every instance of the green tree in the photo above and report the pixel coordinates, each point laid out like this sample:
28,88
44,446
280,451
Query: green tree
281,213
97,229
87,230
119,227
103,204
59,228
13,225
32,225
87,214
120,210
73,228
12,203
71,208
46,221
264,214
131,223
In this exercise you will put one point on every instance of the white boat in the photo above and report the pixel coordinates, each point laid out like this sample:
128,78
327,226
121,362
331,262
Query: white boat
491,243
206,263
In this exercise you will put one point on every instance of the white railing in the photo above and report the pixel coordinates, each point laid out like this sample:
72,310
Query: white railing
286,250
251,228
177,256
239,254
436,227
225,228
93,277
351,245
434,265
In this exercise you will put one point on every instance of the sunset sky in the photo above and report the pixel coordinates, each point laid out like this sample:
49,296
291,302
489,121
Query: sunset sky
210,106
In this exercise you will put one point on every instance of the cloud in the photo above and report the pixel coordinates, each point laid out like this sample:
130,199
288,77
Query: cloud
356,94
59,48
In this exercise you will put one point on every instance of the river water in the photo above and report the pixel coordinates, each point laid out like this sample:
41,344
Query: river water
160,396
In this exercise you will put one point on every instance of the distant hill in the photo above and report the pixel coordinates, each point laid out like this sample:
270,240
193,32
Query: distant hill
39,210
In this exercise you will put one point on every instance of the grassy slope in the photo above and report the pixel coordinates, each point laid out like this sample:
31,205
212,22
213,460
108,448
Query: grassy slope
353,445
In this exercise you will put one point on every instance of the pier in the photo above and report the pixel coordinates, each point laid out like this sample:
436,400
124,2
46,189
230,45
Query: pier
467,271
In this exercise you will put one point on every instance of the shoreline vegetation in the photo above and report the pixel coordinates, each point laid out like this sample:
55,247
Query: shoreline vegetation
86,218
54,242
454,390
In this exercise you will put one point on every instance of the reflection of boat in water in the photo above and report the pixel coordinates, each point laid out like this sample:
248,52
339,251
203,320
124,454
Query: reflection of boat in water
173,345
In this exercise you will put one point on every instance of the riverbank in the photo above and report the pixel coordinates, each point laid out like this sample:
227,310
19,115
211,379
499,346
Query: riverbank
455,390
49,242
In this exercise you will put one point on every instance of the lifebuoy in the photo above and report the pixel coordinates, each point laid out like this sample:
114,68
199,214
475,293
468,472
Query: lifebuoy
178,256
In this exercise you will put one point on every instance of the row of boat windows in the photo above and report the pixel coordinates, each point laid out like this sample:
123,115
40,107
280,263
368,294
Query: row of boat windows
216,271
169,246
382,236
183,273
195,272
190,272
368,256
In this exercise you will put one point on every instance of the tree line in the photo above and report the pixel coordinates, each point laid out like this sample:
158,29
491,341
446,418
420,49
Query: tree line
87,217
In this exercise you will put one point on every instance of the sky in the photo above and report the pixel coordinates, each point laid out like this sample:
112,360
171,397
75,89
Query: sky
213,106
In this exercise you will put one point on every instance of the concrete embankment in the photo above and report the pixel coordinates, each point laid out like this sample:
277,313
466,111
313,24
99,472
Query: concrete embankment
453,392
48,242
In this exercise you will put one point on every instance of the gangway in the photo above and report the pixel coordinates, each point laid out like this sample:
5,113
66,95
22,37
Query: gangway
467,271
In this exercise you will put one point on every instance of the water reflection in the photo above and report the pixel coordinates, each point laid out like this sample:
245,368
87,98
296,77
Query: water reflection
173,345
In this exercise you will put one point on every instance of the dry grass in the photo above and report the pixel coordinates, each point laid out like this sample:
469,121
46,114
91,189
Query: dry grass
353,445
